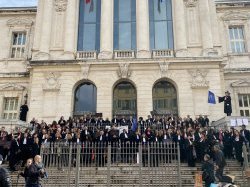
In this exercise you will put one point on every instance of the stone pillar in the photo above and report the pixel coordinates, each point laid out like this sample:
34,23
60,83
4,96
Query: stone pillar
70,26
46,30
142,27
180,28
106,43
38,26
206,30
214,24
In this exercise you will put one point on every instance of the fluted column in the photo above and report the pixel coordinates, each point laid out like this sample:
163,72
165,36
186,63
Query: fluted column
46,29
180,28
69,34
106,43
206,30
38,26
142,27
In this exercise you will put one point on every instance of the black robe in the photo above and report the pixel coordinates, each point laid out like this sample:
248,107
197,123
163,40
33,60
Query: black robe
227,104
23,112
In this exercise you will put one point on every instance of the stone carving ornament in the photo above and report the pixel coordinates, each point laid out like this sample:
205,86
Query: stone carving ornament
51,81
124,72
19,22
164,69
199,78
60,5
191,3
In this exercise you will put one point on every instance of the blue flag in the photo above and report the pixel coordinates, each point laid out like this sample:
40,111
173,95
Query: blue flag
211,97
134,125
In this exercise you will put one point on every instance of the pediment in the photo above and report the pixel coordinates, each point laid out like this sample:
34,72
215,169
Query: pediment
241,83
19,22
235,15
11,87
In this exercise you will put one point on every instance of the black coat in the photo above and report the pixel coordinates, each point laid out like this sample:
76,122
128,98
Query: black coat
227,104
33,175
190,153
208,172
5,180
246,133
23,112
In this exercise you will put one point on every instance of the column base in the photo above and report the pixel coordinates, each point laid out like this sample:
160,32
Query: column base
143,54
182,53
210,52
105,55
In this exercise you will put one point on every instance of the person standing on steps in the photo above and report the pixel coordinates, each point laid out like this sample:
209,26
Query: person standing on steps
220,162
227,103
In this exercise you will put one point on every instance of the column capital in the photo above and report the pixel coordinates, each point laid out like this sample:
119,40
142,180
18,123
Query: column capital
191,3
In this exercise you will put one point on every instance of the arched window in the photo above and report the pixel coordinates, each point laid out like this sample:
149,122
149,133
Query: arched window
161,24
85,99
124,99
165,98
89,25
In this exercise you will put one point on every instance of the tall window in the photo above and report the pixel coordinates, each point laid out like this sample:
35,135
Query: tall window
124,24
89,25
161,24
18,45
165,98
237,41
85,99
244,104
10,108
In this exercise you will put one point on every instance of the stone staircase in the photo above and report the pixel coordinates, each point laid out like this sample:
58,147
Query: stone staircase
128,176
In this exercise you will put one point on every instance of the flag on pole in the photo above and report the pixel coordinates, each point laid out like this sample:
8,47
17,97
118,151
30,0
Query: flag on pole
134,124
87,1
211,97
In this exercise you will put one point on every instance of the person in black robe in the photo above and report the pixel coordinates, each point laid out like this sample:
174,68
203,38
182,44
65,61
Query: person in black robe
190,151
238,143
227,103
23,112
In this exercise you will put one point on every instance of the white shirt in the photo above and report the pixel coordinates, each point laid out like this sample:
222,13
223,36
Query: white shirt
24,141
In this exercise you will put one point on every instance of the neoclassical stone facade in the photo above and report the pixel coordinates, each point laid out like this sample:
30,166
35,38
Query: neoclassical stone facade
51,68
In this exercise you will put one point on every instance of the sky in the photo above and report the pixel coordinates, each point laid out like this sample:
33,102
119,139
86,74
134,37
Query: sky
18,3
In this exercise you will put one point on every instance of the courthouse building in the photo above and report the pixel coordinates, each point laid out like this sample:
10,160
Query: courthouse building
124,57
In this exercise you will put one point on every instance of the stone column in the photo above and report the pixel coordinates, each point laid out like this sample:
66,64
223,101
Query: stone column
38,26
214,24
69,34
46,30
180,28
106,43
206,30
142,27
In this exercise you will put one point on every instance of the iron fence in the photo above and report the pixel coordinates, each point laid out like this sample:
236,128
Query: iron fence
112,164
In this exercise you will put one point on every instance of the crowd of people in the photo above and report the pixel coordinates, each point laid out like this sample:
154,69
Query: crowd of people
194,136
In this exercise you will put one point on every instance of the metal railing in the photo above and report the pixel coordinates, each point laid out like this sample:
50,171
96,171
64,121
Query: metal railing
141,127
246,169
112,164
